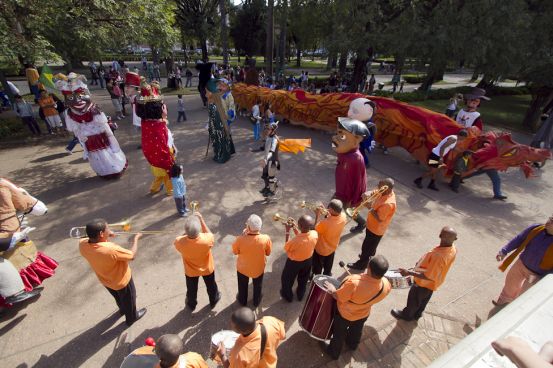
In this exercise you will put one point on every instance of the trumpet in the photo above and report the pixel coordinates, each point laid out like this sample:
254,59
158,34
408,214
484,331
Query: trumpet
313,207
194,206
375,194
78,232
284,221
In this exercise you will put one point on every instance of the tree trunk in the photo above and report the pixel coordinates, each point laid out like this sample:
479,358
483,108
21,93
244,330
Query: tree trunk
358,72
330,59
203,43
435,73
487,81
224,31
282,39
169,65
475,75
343,62
540,98
298,56
269,44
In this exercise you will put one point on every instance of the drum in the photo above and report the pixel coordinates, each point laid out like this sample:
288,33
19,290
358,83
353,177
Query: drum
318,312
143,357
397,281
228,338
23,254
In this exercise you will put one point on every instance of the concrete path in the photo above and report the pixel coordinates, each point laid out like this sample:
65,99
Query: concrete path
74,324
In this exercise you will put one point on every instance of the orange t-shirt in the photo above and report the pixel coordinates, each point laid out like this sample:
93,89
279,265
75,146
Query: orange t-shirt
189,360
385,207
46,104
246,350
301,247
252,251
355,294
329,231
196,254
435,264
109,261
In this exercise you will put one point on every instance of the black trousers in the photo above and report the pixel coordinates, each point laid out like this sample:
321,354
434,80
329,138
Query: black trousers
192,289
243,281
368,249
346,331
322,264
126,300
417,300
291,271
201,89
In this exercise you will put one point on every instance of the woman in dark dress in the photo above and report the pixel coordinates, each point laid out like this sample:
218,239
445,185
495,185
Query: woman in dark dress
218,131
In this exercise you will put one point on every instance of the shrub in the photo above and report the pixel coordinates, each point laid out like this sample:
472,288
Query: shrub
446,93
217,51
11,127
413,78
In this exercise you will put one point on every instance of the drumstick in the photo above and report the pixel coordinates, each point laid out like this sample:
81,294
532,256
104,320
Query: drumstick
343,265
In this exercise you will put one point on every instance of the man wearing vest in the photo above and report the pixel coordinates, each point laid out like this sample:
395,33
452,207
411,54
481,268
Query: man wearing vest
256,346
355,297
429,274
535,246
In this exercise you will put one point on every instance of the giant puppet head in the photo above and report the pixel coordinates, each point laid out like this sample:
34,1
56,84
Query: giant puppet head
132,84
150,104
14,200
361,109
75,91
349,134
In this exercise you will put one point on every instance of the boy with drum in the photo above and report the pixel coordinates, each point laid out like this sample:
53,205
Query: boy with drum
355,297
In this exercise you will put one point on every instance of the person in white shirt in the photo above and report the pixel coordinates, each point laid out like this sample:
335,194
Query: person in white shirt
468,116
256,120
436,158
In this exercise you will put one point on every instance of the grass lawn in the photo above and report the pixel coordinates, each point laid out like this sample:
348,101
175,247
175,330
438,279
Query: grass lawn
502,111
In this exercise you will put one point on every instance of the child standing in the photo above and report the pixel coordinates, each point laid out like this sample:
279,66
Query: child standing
179,189
115,94
452,107
180,109
25,112
256,120
51,114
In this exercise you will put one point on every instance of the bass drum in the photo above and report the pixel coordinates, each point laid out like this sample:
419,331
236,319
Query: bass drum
143,357
317,315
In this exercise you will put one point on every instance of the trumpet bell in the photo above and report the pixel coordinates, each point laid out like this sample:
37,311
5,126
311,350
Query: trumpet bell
77,233
194,206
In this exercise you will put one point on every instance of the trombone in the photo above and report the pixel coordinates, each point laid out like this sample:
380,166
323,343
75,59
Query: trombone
375,194
194,206
285,221
78,232
314,207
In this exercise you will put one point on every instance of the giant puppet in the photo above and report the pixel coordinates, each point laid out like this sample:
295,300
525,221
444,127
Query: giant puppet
17,251
416,129
90,126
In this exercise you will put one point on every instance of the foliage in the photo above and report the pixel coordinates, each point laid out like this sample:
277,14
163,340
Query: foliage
247,27
446,93
12,127
413,78
198,17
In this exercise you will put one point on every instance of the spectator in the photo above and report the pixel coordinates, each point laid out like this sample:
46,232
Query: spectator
101,76
25,111
51,115
180,109
188,74
115,94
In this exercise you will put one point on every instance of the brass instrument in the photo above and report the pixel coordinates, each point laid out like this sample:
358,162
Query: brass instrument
78,232
194,206
375,194
284,221
313,207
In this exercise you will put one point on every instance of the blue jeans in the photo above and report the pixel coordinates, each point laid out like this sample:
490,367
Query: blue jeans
72,144
180,203
256,131
494,177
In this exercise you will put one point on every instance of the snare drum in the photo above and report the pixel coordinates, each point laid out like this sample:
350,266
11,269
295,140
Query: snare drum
397,281
318,312
143,357
228,338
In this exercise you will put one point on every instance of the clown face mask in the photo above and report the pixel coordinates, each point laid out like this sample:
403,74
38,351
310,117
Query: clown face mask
344,141
78,101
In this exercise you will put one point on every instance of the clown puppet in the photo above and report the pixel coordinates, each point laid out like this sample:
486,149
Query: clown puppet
90,126
363,109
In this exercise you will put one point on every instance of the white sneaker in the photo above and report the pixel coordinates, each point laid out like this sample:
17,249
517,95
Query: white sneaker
69,152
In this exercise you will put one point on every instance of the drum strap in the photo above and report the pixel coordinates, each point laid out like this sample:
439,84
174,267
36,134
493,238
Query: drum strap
371,299
263,340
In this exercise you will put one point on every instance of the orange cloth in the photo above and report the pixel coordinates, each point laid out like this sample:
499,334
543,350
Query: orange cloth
252,251
196,254
109,261
329,231
301,247
192,360
32,76
246,350
356,291
435,264
294,145
46,104
385,207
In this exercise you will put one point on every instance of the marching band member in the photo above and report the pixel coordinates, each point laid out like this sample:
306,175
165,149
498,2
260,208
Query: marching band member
379,217
300,251
169,349
110,263
256,346
429,274
355,298
252,249
329,231
195,249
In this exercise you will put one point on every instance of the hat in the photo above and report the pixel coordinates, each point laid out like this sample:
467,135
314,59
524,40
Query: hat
132,79
72,83
211,85
353,126
149,92
476,93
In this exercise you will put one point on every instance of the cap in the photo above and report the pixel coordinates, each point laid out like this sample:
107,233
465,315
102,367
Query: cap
476,93
353,126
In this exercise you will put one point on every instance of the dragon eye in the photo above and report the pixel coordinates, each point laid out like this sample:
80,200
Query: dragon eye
510,153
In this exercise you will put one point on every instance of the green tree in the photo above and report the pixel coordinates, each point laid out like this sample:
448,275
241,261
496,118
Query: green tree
198,17
247,28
